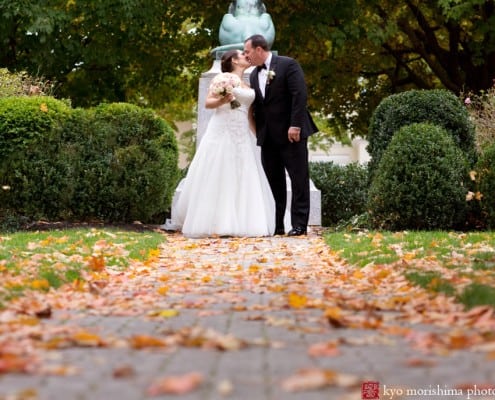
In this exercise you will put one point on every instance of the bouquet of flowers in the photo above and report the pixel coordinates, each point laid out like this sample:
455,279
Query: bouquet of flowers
224,83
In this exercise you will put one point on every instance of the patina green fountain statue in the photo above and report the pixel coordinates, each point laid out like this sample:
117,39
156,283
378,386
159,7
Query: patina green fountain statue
244,18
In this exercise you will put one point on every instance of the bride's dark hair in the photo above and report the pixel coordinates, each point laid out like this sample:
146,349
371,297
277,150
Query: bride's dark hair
226,62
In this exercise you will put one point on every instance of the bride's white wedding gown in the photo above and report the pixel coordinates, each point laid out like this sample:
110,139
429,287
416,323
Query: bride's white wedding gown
226,192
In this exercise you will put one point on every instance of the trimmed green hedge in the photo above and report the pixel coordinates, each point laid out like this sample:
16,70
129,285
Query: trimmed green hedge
420,182
343,190
115,163
439,107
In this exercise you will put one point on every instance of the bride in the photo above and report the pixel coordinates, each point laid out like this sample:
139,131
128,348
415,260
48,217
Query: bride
226,192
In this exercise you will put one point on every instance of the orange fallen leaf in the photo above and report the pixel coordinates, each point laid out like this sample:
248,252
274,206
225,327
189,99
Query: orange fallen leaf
419,362
124,371
334,316
162,290
14,363
143,341
177,384
87,339
309,379
96,263
59,370
324,349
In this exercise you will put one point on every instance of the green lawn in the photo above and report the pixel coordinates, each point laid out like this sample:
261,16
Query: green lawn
44,260
425,257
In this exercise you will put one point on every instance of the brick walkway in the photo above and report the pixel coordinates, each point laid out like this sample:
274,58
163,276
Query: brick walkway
247,316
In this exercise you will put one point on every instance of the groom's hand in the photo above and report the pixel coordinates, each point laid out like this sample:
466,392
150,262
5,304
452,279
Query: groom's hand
294,134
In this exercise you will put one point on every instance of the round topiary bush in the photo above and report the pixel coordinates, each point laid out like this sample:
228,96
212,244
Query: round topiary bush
343,190
485,168
420,181
439,107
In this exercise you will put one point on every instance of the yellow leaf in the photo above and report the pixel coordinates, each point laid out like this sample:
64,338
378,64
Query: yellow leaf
29,321
154,253
297,301
78,285
383,274
253,269
170,313
163,290
40,284
409,256
276,288
43,107
358,275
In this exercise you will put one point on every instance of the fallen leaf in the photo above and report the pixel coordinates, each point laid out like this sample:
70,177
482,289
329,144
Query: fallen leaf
144,341
124,371
309,379
334,317
324,349
225,388
419,362
176,384
297,301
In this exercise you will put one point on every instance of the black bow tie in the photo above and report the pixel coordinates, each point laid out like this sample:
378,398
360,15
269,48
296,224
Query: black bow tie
260,67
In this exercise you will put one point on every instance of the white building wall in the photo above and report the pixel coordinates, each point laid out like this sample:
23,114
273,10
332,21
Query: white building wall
343,154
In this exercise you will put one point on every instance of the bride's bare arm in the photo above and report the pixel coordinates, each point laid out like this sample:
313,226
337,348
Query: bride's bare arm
214,101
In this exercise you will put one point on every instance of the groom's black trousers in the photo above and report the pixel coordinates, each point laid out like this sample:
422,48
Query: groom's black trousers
293,157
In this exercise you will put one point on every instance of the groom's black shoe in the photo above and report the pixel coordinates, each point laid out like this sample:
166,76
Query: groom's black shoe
298,231
279,231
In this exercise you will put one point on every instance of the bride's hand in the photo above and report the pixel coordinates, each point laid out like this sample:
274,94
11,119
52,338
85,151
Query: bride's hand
228,98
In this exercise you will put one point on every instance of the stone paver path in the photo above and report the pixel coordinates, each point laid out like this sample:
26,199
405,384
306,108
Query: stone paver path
253,319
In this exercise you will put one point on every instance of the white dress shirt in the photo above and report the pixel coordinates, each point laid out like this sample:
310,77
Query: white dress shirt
263,74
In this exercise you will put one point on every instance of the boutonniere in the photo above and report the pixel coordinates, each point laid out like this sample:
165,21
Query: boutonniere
270,75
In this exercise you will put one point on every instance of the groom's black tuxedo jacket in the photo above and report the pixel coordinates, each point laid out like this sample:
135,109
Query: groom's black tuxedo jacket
284,104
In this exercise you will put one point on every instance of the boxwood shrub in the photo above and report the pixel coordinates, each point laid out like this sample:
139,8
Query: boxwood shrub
115,162
439,107
343,190
420,182
26,120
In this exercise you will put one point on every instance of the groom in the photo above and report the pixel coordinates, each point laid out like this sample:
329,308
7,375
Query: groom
283,125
